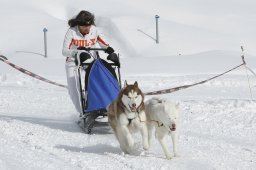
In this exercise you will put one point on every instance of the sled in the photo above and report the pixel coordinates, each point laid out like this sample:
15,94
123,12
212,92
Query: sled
98,88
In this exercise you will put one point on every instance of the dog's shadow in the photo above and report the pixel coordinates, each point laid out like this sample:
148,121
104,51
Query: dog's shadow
104,149
101,130
101,149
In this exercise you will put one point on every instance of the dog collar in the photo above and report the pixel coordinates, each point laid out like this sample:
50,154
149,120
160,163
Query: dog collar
159,124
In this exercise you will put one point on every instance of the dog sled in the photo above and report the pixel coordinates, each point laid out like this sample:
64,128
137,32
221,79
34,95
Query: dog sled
98,88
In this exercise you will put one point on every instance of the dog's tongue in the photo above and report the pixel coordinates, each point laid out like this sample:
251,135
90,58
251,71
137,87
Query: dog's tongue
133,109
173,127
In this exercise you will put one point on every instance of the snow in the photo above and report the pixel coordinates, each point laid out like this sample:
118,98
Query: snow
198,39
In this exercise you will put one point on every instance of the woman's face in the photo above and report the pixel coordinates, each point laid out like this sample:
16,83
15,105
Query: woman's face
84,29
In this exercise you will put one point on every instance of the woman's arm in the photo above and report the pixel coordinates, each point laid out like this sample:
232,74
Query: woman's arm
66,49
101,39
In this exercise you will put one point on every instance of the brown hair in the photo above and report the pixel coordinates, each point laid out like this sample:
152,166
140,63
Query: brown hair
84,18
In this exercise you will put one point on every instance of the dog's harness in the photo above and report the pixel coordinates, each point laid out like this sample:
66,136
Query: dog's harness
159,124
136,115
130,120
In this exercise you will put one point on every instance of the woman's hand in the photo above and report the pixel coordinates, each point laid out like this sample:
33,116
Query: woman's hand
109,50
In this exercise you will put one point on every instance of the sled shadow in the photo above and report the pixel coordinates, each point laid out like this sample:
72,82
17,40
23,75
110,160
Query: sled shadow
64,125
101,149
101,130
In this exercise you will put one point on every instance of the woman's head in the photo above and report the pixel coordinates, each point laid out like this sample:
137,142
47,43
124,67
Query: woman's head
84,18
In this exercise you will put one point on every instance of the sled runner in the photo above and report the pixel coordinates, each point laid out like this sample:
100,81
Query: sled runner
98,88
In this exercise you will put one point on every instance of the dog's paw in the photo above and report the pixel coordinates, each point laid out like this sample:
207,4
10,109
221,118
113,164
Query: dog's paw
146,146
130,142
169,157
176,155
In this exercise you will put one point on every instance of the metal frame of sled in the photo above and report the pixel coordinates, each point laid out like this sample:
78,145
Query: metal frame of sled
89,118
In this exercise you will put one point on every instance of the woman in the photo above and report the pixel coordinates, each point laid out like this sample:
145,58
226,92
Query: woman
82,34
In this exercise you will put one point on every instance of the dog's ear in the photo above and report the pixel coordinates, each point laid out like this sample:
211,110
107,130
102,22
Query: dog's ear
125,83
136,84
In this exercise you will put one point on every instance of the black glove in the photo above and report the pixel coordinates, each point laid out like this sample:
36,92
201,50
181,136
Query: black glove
82,57
109,50
113,57
83,48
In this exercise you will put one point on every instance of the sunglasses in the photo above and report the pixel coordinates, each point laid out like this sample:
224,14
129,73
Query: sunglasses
84,23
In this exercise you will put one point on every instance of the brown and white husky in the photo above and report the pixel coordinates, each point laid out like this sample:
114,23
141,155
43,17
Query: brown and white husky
127,115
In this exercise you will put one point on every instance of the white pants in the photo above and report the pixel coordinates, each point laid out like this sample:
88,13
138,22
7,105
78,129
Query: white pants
73,85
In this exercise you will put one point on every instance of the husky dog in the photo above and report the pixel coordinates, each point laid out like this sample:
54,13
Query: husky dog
163,115
126,115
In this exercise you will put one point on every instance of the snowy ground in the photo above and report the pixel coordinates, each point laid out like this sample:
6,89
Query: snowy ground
198,39
38,129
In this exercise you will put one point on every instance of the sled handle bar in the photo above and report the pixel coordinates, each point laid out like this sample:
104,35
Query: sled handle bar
112,64
95,49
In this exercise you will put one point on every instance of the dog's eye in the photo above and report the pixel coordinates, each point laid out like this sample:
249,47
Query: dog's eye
129,97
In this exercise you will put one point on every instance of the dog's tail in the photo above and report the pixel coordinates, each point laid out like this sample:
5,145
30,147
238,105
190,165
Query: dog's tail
156,100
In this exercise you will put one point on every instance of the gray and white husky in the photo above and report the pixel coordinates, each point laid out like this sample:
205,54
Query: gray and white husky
164,116
127,115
